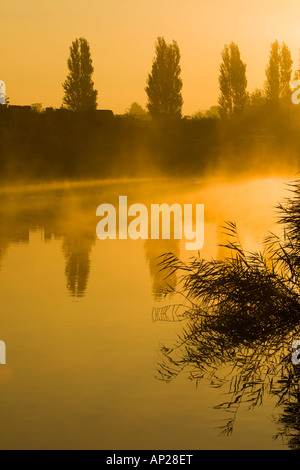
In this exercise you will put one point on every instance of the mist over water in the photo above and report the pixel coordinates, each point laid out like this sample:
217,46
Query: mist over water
82,347
110,340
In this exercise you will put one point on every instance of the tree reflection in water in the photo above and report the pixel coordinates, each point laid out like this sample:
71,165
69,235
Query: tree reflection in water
241,316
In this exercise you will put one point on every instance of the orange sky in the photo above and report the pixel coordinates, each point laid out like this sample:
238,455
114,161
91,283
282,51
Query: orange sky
36,35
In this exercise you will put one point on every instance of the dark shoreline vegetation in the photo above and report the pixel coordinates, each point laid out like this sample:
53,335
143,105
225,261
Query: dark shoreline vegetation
61,144
253,133
241,315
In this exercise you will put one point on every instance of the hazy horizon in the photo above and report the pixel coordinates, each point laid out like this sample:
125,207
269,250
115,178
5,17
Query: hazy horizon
122,35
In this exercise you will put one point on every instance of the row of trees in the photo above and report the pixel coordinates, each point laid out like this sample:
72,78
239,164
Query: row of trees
163,88
233,81
164,83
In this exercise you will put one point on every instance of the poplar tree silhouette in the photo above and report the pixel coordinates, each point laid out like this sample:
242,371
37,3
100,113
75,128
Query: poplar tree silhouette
278,73
80,94
232,81
286,64
164,83
272,84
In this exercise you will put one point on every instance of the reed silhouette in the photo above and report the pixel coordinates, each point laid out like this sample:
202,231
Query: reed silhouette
241,315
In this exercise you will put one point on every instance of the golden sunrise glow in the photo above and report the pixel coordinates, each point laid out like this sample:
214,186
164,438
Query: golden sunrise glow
149,226
36,37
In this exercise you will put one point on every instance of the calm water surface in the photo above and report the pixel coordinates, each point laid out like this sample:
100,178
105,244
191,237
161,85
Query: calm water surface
76,316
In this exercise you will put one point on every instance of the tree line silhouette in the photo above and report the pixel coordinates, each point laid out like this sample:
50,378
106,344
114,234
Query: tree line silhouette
244,131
